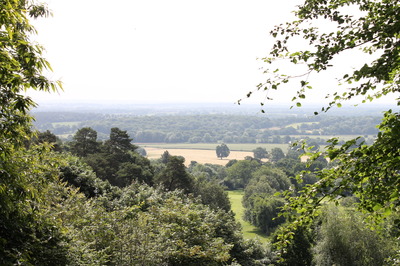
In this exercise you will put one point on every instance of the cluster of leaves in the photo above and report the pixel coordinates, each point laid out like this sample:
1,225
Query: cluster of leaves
374,30
27,233
239,173
260,153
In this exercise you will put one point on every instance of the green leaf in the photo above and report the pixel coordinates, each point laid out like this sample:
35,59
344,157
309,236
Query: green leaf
377,207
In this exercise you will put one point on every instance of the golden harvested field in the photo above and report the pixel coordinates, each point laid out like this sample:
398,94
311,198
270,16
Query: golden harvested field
200,156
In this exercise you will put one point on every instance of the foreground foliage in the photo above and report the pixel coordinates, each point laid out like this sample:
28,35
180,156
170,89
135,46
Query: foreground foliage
343,239
369,172
27,235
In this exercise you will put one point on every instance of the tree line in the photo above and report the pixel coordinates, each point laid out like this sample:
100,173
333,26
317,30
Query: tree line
211,128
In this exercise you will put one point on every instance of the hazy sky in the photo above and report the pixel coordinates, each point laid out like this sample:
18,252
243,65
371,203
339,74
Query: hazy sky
152,51
157,50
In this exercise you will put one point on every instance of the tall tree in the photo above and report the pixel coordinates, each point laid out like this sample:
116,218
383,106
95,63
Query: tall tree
165,157
369,172
84,142
222,151
22,65
174,176
119,141
26,237
262,207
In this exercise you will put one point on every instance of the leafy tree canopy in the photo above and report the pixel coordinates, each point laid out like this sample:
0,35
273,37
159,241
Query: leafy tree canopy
84,142
174,175
240,173
277,154
260,153
24,231
222,151
119,141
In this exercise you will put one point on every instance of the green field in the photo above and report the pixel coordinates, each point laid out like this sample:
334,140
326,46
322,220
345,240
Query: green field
211,146
249,231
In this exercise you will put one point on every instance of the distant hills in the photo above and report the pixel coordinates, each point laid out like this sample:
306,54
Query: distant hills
270,109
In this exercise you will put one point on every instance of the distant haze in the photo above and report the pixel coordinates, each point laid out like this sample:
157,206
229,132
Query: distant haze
271,109
158,51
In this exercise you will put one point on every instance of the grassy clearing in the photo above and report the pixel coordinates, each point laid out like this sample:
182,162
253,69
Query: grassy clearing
249,231
247,147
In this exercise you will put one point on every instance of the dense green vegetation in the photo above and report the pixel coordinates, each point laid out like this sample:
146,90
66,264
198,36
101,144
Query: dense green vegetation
190,201
99,201
183,218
